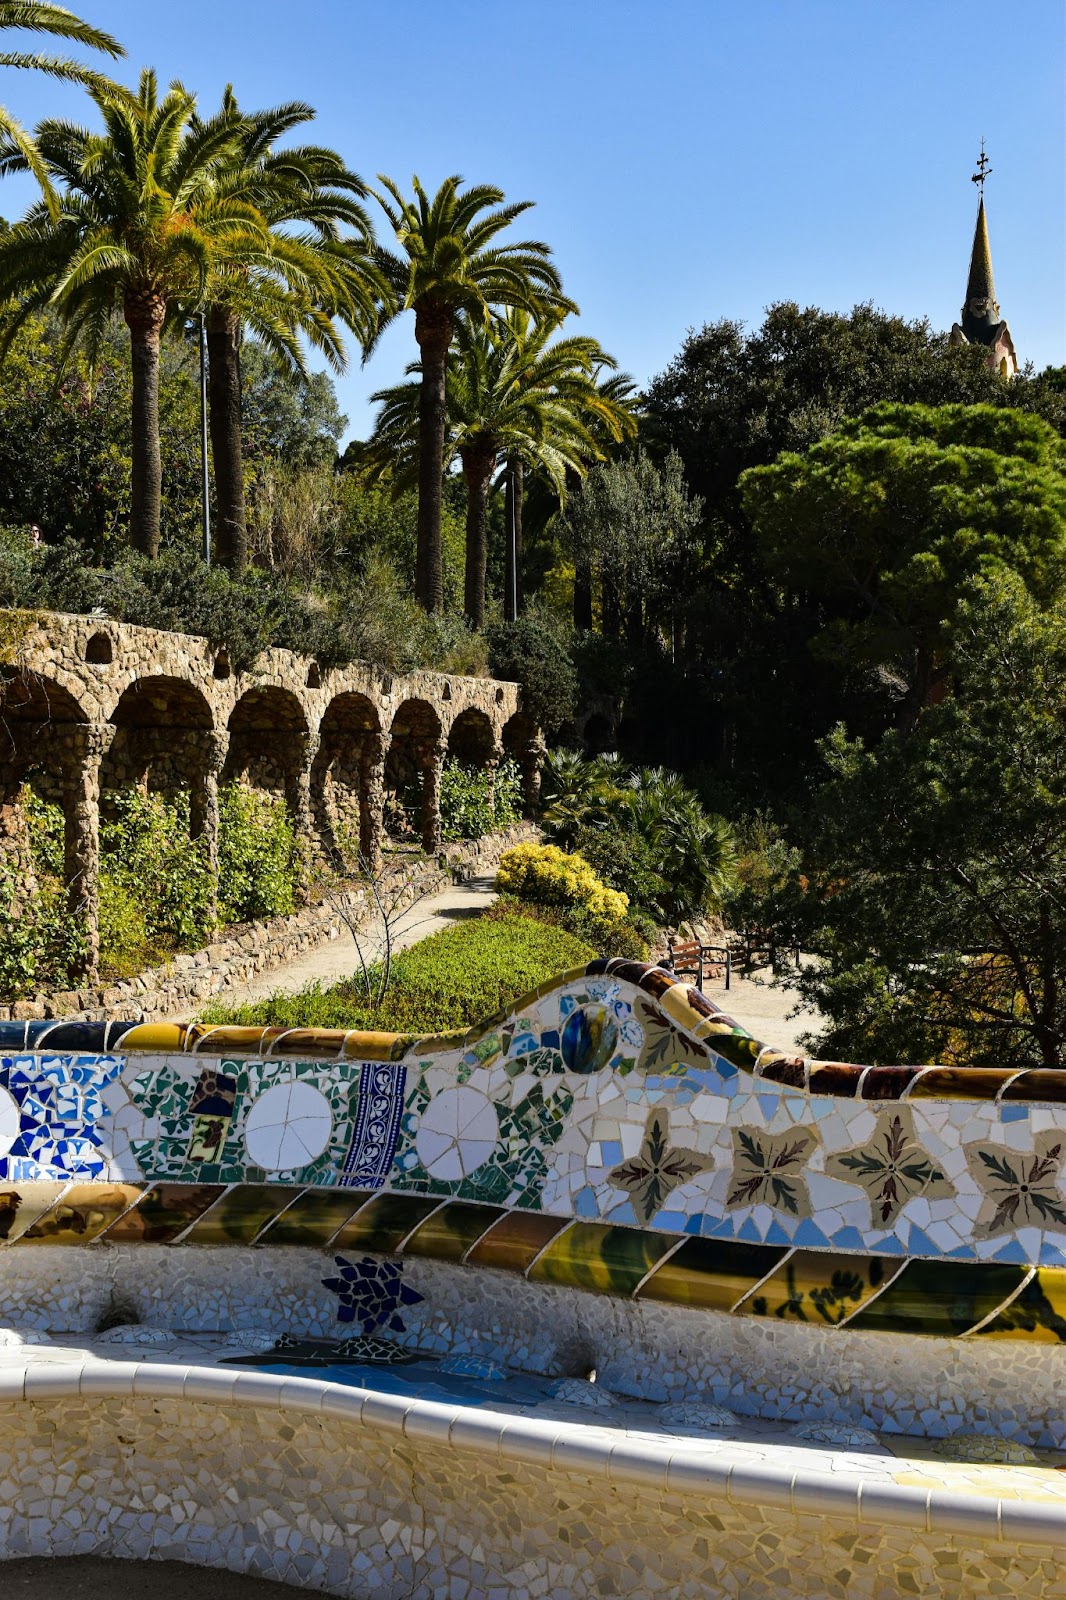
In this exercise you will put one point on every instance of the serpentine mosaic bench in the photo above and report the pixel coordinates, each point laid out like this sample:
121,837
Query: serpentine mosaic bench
613,1180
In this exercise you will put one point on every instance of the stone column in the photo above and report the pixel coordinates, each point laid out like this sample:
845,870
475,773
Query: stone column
81,836
203,803
432,759
491,767
306,749
372,798
531,760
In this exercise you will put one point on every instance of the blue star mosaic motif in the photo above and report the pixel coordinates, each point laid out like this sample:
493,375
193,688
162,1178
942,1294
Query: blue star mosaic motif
60,1106
371,1293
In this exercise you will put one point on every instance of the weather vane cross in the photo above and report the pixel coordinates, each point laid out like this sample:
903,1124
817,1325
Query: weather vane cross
983,170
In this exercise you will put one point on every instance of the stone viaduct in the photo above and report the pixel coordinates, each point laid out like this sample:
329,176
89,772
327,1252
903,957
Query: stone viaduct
92,706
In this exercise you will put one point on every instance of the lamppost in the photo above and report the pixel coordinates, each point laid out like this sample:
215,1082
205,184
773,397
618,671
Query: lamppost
205,487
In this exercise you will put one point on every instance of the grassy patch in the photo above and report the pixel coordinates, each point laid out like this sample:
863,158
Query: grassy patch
450,980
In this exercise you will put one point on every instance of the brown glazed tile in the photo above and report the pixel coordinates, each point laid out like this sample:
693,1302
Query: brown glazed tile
323,1044
1040,1083
788,1070
165,1211
958,1083
834,1077
887,1083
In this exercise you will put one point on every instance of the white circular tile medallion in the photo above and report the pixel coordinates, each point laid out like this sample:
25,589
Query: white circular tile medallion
288,1126
457,1134
10,1121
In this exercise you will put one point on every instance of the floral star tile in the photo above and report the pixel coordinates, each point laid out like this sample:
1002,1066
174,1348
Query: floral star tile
892,1167
659,1168
1020,1188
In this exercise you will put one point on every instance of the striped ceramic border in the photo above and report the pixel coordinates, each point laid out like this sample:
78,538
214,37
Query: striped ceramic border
685,1006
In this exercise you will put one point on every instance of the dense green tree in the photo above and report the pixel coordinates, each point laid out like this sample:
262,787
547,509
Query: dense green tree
140,229
449,262
58,23
884,523
630,527
938,909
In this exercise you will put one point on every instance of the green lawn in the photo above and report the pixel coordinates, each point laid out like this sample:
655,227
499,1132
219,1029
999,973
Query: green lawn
450,980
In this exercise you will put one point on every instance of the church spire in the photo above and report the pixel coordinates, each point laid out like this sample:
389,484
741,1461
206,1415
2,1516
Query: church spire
980,322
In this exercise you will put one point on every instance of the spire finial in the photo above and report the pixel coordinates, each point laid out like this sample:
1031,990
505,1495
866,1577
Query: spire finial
983,170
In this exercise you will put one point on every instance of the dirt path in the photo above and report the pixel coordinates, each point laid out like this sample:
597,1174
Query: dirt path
764,1011
332,962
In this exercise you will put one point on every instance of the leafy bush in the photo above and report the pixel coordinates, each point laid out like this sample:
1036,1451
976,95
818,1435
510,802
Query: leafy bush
464,799
690,851
40,945
256,856
126,947
622,939
549,876
450,980
146,849
528,653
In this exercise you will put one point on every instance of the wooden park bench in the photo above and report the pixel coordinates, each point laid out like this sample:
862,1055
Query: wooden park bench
692,958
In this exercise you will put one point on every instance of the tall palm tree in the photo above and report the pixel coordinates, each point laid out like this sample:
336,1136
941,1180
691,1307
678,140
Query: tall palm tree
449,262
58,23
513,388
139,228
303,279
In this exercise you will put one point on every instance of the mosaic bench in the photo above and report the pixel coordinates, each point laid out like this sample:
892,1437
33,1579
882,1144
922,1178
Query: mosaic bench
611,1180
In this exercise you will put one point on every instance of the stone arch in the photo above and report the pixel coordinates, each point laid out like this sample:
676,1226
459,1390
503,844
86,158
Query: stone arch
412,774
523,742
268,735
161,727
346,780
48,737
472,738
270,747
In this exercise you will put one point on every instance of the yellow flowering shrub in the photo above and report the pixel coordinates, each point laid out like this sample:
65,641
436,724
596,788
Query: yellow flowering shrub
549,876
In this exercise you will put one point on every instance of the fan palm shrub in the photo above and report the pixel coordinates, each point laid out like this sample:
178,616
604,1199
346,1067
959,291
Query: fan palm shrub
449,261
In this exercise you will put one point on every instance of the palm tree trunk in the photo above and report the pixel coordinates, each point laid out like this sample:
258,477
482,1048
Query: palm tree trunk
145,311
433,330
224,399
512,597
478,461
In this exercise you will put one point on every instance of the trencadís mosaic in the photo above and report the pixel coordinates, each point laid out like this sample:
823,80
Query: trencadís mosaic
615,1132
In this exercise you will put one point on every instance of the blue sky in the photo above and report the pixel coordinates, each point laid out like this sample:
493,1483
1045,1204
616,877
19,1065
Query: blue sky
690,159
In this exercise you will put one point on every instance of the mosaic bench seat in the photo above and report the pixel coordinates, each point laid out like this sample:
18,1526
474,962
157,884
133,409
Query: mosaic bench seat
610,1180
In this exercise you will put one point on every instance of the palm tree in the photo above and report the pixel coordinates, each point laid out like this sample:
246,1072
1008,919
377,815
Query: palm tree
450,263
139,228
59,24
512,389
295,287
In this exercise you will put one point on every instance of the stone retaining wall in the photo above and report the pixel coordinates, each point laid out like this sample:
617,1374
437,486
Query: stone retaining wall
184,983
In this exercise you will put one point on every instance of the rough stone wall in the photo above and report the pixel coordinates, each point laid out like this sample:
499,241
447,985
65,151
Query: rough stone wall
101,705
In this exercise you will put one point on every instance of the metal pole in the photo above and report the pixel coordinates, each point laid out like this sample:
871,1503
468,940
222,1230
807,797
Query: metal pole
205,487
514,544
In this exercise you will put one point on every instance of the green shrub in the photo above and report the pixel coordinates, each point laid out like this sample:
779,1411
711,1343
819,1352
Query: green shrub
41,946
125,946
451,980
146,849
45,828
528,653
257,865
626,860
549,876
624,939
464,799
